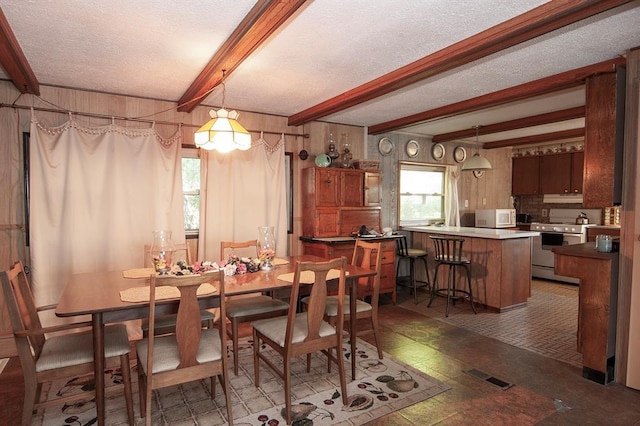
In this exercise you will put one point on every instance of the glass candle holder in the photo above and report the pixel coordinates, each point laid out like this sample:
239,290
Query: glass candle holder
266,247
162,252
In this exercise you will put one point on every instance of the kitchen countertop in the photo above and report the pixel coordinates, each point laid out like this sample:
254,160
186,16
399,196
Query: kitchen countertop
490,233
586,250
334,240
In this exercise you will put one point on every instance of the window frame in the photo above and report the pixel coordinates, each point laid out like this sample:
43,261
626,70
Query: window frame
426,167
191,152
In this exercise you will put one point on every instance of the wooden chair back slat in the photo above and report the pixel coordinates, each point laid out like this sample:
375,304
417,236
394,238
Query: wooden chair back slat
188,320
317,296
23,312
224,245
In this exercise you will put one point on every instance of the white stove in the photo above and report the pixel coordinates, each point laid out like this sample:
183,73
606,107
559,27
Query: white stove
561,230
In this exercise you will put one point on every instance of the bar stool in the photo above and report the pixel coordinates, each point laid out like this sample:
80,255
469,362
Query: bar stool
449,252
411,255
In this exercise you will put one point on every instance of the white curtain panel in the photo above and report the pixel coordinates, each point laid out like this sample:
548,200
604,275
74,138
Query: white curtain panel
96,196
241,191
452,206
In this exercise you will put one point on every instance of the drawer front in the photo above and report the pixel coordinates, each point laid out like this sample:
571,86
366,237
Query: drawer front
387,278
388,257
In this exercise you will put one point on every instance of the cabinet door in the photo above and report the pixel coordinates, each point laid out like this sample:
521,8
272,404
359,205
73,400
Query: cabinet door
577,169
327,187
372,189
327,224
555,174
352,188
525,176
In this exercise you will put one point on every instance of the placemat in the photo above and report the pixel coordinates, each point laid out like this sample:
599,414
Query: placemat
141,294
279,261
309,277
138,273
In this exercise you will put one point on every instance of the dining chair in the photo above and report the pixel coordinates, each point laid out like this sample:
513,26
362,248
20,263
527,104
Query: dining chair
369,256
306,332
166,323
45,358
243,309
191,353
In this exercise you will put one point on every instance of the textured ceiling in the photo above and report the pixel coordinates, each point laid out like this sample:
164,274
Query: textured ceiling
157,48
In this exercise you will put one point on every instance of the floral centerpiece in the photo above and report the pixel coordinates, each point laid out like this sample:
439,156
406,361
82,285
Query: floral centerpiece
234,265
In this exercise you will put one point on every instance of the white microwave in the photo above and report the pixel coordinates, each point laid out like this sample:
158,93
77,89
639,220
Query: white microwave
495,218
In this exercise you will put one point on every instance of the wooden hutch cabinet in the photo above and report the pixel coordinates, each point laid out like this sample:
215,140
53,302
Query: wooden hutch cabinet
335,204
333,201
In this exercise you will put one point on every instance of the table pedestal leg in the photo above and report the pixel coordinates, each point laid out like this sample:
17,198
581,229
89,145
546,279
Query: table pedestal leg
98,364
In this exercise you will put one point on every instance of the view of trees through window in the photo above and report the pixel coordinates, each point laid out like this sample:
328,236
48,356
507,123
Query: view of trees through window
191,191
421,195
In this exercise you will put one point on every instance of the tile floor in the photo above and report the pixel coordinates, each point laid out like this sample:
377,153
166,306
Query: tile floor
545,391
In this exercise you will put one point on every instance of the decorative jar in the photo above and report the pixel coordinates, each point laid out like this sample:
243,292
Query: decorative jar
162,251
266,247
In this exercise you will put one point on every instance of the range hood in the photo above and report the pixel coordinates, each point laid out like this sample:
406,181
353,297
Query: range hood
562,198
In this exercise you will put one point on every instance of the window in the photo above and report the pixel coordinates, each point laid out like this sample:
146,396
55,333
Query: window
421,195
191,189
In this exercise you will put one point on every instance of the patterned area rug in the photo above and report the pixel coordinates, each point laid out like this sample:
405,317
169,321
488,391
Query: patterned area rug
547,325
381,387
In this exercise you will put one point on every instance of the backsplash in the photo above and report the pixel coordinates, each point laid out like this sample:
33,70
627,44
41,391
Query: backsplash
533,205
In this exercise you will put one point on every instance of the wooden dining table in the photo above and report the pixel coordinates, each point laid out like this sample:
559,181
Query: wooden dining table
98,294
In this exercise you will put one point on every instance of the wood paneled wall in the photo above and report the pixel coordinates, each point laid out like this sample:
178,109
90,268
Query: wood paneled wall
494,187
15,121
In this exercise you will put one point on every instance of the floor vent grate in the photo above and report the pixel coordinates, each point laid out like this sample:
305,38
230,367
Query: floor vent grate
488,378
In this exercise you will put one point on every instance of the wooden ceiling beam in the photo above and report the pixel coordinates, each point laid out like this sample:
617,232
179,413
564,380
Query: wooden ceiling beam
534,23
539,87
519,123
533,139
14,62
254,30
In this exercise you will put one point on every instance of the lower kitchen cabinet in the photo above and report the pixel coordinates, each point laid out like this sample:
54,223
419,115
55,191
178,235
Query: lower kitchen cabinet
331,248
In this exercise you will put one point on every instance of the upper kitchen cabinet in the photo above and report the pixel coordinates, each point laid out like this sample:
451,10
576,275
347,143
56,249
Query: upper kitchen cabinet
336,202
561,173
525,178
372,189
334,187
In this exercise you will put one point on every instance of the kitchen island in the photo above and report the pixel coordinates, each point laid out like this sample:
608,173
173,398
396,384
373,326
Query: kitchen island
500,262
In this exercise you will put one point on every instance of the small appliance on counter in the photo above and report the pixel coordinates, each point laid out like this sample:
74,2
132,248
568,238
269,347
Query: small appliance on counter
523,218
495,218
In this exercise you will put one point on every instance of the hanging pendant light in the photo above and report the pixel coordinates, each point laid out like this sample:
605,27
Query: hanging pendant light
223,132
477,162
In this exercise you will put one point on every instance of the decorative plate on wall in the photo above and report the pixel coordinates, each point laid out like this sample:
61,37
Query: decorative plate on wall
385,146
412,148
437,151
459,154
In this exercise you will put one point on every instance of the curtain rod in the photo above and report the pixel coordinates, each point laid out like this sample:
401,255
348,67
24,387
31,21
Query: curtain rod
142,120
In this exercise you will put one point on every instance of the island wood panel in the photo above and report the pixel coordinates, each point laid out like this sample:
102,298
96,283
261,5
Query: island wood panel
500,269
597,307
